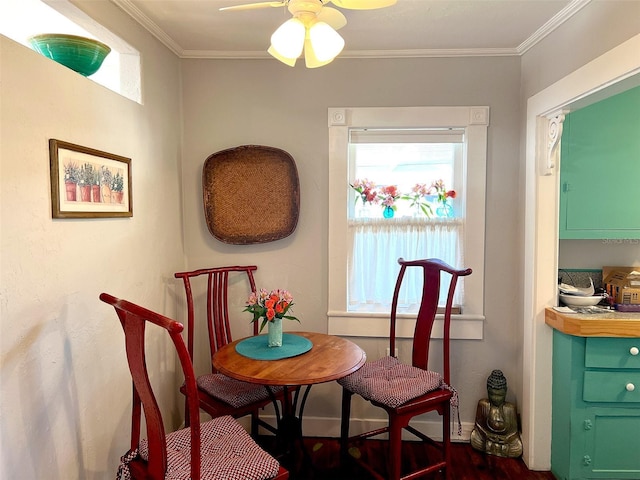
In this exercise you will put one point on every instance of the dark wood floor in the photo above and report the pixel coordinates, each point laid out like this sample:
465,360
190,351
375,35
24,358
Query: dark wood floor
468,464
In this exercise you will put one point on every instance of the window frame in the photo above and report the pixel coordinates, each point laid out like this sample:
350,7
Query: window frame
121,70
475,121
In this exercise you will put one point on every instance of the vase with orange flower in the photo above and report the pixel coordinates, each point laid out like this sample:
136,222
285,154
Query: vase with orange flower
444,209
367,193
271,308
389,195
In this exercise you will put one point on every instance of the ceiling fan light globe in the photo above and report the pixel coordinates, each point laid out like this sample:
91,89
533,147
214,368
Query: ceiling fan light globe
288,39
287,61
325,41
310,59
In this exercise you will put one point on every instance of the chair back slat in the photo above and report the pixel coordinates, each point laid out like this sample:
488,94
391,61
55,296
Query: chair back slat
136,412
190,314
217,307
134,333
133,319
426,316
432,270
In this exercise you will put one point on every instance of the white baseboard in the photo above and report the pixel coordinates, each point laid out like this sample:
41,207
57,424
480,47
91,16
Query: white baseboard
330,427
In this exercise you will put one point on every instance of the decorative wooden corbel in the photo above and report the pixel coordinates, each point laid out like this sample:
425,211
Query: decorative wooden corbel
549,129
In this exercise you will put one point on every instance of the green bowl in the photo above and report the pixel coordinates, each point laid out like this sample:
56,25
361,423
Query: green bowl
83,55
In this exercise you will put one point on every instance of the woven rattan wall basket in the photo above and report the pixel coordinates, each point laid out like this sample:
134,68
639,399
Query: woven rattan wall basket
251,194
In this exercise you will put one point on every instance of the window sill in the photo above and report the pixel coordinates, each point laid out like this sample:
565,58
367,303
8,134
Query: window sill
348,324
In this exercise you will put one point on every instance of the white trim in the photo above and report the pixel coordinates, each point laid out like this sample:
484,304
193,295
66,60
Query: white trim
375,54
414,135
346,324
541,239
120,71
474,120
562,16
567,12
134,12
330,427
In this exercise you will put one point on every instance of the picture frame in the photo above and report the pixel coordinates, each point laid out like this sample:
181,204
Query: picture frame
88,183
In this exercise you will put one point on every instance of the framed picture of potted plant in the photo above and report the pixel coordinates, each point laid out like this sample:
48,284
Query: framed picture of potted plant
88,183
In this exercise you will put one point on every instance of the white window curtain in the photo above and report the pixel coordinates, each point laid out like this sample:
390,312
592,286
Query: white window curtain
376,245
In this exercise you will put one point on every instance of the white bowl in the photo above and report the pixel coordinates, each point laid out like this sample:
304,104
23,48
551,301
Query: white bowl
579,301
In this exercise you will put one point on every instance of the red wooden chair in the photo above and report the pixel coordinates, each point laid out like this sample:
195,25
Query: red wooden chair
405,391
219,394
219,449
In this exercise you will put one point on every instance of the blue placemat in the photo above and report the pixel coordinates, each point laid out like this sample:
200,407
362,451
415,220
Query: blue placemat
257,348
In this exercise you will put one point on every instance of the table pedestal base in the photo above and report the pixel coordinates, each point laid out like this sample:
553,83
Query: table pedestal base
289,439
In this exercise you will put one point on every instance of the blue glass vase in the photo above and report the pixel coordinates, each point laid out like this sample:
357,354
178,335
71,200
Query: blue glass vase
444,210
388,212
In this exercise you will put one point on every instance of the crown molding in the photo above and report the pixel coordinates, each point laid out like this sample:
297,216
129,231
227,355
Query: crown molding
223,54
571,9
148,24
418,53
558,19
431,53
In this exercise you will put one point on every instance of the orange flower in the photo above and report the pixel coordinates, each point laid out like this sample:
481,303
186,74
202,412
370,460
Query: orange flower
370,195
391,190
451,193
267,306
390,195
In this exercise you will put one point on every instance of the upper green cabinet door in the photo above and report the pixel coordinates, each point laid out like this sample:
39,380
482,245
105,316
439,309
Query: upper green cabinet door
600,170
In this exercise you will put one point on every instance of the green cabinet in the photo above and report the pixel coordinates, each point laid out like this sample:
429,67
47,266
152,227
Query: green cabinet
596,408
600,170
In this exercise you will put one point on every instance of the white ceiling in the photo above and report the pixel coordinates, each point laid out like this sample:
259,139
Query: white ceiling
196,28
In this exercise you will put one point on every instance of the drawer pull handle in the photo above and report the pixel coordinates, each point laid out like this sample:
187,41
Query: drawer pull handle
630,387
634,351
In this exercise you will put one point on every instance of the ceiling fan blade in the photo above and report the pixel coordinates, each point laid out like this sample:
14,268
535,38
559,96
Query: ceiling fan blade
251,6
335,18
363,4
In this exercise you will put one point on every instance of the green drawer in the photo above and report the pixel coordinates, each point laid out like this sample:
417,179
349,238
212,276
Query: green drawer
612,386
612,353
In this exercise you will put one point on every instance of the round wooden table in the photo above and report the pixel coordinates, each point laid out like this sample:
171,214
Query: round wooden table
330,358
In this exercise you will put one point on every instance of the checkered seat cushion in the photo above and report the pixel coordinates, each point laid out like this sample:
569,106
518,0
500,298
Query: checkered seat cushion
227,453
234,392
389,382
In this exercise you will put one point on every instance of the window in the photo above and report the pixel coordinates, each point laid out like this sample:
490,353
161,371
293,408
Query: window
402,159
402,147
120,71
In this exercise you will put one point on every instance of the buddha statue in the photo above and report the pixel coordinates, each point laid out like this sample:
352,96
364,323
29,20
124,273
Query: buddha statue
496,428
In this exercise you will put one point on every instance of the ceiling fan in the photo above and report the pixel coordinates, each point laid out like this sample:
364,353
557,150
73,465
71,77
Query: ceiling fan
311,29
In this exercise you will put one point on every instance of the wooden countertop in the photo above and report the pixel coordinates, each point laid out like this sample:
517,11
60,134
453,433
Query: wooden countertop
609,324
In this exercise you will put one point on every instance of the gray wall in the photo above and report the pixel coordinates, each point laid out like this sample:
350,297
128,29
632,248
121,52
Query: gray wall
65,390
230,103
64,396
591,32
